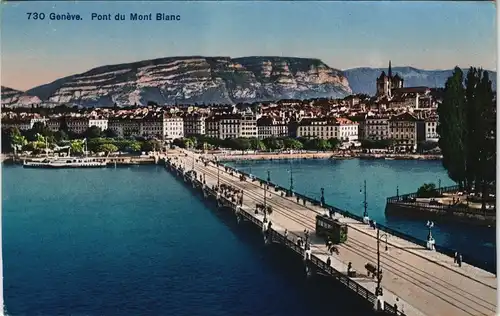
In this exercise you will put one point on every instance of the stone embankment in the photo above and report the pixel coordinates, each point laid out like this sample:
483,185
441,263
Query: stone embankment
322,155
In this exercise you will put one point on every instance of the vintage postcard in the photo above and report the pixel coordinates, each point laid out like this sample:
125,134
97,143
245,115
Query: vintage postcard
227,158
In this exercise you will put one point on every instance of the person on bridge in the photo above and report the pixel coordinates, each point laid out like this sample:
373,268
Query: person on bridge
328,261
459,260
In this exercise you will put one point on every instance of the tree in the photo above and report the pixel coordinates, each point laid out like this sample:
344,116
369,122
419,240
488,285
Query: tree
292,143
257,144
109,133
451,127
38,128
334,143
179,142
323,145
467,119
60,135
107,148
76,146
150,145
134,146
427,190
93,132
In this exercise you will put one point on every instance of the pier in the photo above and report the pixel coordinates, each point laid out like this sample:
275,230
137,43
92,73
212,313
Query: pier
416,280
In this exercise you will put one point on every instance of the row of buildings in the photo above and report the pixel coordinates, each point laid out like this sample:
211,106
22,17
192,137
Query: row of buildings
405,129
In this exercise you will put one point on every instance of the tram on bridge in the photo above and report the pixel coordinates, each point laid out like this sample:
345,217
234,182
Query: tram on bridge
331,229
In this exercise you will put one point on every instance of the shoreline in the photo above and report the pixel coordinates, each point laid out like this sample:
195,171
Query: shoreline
323,155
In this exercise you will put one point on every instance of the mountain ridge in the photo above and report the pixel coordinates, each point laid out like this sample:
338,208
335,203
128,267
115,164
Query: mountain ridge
216,80
197,79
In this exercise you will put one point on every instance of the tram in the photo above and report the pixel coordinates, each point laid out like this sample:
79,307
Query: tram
331,229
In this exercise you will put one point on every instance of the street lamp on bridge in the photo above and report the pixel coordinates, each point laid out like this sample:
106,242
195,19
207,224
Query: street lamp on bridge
322,197
365,206
378,290
218,171
290,192
265,194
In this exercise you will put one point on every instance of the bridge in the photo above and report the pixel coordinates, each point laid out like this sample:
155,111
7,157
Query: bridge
416,280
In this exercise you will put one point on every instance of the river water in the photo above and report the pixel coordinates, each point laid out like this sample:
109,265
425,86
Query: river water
134,241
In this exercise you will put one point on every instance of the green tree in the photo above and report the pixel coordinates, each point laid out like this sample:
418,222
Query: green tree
334,143
292,143
257,144
179,142
467,119
151,145
93,132
427,190
451,127
76,146
107,148
134,146
323,145
61,135
110,133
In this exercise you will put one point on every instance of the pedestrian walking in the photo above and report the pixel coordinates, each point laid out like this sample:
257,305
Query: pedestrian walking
460,260
396,305
456,257
328,261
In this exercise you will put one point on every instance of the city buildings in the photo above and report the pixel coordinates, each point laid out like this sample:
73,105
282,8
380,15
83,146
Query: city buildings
405,115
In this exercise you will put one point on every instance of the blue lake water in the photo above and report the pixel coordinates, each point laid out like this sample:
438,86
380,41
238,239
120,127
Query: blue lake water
135,241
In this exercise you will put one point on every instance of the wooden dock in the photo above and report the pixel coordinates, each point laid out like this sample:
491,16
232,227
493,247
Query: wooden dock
425,282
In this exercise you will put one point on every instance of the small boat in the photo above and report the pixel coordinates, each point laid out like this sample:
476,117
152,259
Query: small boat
389,158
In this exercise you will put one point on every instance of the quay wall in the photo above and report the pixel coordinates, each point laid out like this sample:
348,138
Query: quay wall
320,155
406,205
271,235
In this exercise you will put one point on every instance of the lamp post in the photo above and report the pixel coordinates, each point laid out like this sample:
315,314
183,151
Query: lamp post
378,290
365,204
265,194
429,225
290,192
397,191
193,163
322,196
218,171
439,185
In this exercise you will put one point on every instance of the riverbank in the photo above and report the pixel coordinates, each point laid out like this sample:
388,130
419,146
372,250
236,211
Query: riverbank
323,155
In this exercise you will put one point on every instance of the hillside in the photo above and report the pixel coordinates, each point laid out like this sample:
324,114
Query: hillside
198,79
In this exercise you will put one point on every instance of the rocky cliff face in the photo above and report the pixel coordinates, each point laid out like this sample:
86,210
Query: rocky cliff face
216,80
12,96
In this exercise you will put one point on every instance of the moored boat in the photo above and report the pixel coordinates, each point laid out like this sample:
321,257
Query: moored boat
67,162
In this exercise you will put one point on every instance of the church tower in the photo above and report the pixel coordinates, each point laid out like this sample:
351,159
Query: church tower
386,83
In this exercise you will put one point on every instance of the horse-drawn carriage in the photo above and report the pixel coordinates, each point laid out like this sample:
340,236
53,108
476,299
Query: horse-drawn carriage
331,229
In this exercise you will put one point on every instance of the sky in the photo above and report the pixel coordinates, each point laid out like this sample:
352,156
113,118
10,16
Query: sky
426,35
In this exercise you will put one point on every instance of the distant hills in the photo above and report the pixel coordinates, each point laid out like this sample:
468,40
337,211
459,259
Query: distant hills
363,80
215,80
